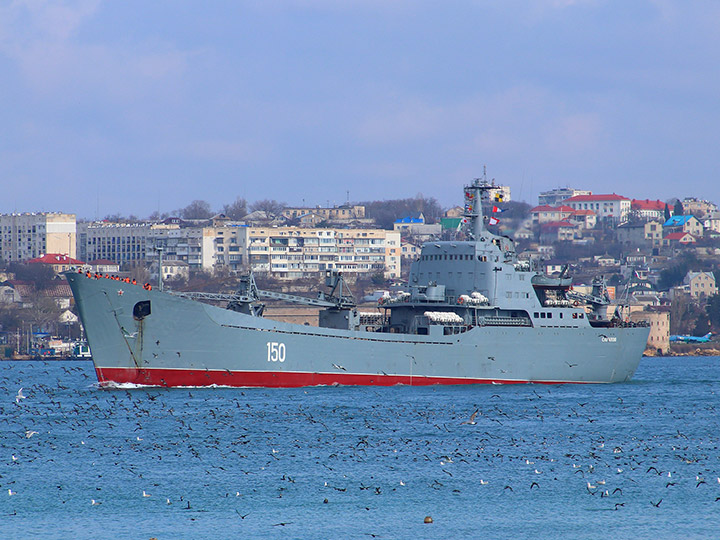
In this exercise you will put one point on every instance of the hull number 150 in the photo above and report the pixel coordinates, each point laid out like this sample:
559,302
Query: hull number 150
275,351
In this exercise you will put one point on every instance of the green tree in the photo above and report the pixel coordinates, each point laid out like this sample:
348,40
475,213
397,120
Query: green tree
678,210
667,212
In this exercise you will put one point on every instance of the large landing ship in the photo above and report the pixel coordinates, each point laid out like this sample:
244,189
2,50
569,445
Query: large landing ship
472,313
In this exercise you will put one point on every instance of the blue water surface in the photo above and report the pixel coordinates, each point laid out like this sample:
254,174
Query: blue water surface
633,460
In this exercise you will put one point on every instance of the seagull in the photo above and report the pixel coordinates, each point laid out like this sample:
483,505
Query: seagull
484,482
11,492
19,396
336,366
472,419
93,502
30,433
145,494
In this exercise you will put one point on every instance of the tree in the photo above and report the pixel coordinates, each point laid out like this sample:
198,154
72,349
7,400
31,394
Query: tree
667,212
678,210
272,207
236,210
40,275
196,210
384,213
712,308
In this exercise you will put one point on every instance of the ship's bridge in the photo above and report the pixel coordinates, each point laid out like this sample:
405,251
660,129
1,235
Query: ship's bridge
464,267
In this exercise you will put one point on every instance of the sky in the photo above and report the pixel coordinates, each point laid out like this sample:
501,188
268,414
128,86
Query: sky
130,107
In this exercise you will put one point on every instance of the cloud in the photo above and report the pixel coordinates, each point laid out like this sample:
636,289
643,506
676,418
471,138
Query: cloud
41,38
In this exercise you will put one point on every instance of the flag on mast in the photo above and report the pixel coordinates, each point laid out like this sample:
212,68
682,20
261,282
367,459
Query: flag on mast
493,221
496,209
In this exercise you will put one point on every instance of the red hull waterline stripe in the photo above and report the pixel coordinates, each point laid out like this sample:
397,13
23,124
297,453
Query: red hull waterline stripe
275,379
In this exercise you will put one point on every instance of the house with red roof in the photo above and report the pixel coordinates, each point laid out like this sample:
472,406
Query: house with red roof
59,262
675,238
646,209
611,207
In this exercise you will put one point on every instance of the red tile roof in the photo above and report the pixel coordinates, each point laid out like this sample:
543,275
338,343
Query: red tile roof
55,258
647,204
678,236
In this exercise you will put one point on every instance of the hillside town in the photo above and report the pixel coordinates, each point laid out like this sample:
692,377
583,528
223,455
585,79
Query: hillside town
658,258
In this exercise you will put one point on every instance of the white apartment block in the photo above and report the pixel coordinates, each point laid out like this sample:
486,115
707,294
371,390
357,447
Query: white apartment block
292,252
31,235
556,196
610,207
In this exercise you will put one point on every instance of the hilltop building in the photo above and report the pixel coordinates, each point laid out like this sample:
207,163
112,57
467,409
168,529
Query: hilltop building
685,224
613,208
645,209
555,197
345,212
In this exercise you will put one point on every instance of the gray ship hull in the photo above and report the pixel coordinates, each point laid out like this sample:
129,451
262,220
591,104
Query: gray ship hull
182,342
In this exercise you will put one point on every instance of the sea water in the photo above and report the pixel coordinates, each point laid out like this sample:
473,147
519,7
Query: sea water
633,460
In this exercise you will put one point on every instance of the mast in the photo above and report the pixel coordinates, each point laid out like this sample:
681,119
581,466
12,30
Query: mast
473,219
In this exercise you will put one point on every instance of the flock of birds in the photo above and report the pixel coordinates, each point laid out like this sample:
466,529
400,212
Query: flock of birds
273,457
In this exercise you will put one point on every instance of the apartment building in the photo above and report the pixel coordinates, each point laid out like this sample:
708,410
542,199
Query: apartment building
614,208
555,197
31,235
116,242
291,252
335,213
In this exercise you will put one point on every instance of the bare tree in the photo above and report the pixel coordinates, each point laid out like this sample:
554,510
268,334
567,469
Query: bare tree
236,210
196,210
270,206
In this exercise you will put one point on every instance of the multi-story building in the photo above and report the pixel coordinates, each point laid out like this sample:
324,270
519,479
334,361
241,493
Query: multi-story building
685,224
31,235
225,246
546,214
291,252
614,208
557,196
699,208
645,209
116,242
336,213
649,232
700,284
175,243
659,319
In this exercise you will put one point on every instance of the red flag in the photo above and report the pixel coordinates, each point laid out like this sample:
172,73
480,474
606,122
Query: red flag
496,209
493,221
